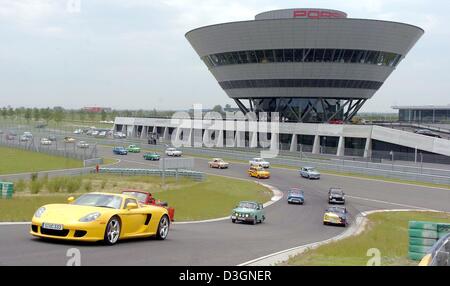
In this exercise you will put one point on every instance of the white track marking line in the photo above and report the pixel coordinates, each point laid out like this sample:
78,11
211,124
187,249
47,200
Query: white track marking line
389,203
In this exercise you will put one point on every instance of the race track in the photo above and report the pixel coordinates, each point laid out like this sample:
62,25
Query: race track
224,243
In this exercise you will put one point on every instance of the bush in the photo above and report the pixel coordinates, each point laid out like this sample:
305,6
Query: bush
36,186
55,185
45,179
87,186
73,184
34,176
20,185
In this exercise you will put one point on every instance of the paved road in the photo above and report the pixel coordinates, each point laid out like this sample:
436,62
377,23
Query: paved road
224,243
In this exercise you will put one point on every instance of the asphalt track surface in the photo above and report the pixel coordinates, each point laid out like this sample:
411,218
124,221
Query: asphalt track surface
224,243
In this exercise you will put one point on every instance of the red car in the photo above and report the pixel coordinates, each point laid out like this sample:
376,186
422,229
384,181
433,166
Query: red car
146,198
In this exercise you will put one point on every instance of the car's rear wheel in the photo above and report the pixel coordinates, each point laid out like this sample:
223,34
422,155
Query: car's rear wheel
163,228
233,221
112,231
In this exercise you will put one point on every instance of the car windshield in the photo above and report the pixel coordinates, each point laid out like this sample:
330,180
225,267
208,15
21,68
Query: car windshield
336,192
310,169
296,192
99,200
248,205
336,210
141,197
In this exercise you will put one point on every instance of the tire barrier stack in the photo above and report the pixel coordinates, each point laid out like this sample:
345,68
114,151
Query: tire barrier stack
6,190
423,236
196,176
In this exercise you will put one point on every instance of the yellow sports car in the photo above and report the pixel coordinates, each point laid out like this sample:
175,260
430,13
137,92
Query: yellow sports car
100,217
258,172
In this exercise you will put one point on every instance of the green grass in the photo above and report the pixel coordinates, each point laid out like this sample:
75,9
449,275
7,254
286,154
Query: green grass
387,232
22,161
213,198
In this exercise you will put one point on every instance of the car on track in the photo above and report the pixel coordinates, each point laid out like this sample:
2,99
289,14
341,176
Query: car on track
336,215
427,132
11,136
296,196
309,173
27,134
78,131
258,172
152,156
173,152
248,211
83,145
133,149
100,217
69,140
46,141
148,199
120,151
336,196
218,163
119,135
24,138
52,138
260,162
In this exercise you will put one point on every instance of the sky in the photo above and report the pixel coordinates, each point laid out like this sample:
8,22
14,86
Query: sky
132,54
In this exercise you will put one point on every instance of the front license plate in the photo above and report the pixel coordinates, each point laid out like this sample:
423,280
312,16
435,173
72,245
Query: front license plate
52,226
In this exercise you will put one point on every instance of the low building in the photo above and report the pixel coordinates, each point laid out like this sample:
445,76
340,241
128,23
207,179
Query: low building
424,113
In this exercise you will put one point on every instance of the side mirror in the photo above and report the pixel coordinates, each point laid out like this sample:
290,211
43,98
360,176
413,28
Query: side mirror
70,200
132,206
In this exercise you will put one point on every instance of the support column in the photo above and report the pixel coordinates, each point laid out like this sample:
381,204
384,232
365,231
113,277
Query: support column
166,133
275,141
240,139
368,148
190,137
254,140
316,145
294,143
341,147
144,132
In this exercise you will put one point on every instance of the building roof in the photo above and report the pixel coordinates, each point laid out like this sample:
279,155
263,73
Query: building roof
423,107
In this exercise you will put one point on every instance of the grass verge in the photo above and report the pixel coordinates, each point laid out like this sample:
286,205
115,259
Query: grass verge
21,161
215,197
387,232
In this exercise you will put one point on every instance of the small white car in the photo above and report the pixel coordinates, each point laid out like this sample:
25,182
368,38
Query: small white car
95,133
119,135
27,135
46,141
173,152
259,162
83,145
309,173
218,163
78,131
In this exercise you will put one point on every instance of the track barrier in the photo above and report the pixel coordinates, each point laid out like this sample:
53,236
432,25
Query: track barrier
423,236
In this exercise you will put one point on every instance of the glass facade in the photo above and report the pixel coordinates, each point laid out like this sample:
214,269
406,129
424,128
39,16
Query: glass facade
303,56
298,83
425,115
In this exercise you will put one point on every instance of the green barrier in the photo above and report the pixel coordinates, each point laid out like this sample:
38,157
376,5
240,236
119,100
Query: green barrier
442,234
416,255
6,190
422,241
419,248
423,225
420,233
443,227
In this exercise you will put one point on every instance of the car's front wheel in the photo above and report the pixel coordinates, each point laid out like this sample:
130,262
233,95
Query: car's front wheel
163,228
255,220
112,231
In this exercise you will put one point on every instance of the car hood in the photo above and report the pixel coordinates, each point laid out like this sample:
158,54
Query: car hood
296,196
66,213
244,210
343,216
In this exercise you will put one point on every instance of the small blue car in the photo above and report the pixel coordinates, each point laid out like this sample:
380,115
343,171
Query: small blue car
120,151
296,196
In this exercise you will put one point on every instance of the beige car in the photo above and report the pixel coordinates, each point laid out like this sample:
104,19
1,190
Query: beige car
218,163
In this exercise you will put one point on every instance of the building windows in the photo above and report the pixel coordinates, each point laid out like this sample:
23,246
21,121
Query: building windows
303,56
299,83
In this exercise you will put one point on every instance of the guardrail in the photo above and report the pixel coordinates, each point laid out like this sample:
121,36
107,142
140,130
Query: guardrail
196,176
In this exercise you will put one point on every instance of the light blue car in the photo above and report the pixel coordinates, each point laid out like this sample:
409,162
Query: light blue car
309,173
296,196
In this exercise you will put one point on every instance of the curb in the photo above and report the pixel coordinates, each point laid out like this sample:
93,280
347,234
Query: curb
355,229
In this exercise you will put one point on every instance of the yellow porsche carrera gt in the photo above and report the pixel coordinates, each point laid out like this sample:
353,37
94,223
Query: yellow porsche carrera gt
100,217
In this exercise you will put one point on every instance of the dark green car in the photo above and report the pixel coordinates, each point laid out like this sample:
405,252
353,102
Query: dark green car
247,211
152,156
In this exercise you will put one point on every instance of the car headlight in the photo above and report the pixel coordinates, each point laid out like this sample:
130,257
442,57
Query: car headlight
246,215
90,217
39,212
